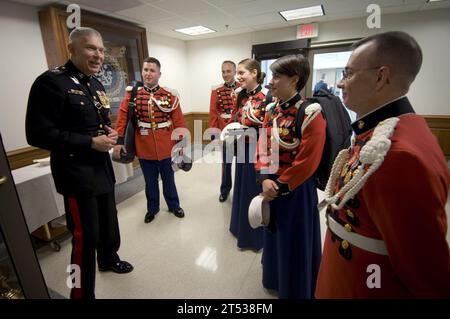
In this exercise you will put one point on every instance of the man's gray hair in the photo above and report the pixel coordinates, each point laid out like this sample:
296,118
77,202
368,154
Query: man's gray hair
80,32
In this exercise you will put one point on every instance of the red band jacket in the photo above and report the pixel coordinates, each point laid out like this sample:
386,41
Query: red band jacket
295,163
222,104
154,129
403,204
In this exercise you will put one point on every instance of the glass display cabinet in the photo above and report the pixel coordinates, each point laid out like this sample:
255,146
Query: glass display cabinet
20,272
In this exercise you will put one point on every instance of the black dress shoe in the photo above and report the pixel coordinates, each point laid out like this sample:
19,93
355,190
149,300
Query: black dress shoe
223,197
120,267
179,212
149,217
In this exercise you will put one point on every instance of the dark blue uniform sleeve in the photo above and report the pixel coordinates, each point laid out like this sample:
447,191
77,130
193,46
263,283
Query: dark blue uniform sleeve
45,122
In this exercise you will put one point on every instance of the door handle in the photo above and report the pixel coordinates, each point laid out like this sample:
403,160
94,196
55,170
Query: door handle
3,180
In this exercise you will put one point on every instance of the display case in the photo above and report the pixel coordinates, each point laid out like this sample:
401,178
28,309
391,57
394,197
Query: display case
125,48
20,272
9,283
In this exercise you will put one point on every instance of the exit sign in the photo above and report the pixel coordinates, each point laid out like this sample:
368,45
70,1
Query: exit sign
305,31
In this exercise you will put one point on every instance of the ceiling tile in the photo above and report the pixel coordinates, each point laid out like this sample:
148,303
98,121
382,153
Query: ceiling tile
218,21
183,7
265,18
146,13
228,3
109,6
174,23
162,16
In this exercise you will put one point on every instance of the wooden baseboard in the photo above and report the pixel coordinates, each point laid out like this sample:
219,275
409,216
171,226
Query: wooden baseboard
190,119
439,125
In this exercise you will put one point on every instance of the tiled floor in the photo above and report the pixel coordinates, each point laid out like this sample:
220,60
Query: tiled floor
193,257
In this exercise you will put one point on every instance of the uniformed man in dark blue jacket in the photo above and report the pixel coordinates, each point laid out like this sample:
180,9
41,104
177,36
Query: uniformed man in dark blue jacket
68,114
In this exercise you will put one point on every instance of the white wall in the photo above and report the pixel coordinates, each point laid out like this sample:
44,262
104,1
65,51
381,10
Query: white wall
22,59
172,53
205,59
429,93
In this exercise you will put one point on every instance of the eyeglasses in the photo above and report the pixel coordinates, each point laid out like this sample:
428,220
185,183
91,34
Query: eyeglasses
348,72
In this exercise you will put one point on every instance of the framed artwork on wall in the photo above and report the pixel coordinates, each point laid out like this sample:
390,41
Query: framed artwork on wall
125,48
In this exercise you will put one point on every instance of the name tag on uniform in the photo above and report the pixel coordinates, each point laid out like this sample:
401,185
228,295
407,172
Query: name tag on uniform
78,92
143,131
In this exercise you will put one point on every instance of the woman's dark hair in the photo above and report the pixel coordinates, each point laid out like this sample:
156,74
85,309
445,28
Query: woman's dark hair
252,64
290,65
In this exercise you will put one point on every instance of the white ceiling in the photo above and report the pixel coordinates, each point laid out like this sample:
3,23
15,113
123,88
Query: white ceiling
229,17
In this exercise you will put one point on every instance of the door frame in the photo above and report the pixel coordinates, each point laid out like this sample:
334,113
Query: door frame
325,47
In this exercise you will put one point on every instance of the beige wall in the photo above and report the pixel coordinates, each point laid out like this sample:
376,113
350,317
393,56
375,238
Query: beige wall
192,67
22,59
172,54
429,93
205,59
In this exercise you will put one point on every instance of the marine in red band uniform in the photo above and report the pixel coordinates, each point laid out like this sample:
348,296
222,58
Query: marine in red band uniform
158,113
386,196
221,107
292,243
68,114
250,112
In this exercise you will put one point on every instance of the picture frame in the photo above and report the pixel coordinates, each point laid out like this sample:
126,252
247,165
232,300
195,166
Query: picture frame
125,48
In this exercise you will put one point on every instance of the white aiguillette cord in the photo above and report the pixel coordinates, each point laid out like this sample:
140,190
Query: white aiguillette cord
311,111
248,109
372,154
152,100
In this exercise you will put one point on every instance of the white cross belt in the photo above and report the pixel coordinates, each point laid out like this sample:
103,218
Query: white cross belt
375,246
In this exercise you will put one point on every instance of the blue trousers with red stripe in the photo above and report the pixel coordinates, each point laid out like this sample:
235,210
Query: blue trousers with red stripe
151,170
92,220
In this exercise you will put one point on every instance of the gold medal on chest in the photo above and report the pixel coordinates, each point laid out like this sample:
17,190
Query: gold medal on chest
103,99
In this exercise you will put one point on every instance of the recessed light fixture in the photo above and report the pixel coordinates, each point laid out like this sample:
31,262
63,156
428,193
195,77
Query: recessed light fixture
195,30
302,13
428,1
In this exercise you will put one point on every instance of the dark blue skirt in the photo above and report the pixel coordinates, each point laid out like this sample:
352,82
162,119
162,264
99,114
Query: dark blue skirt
245,188
292,247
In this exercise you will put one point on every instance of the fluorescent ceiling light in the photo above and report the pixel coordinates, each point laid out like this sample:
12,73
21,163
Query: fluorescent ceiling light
195,30
303,13
428,1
